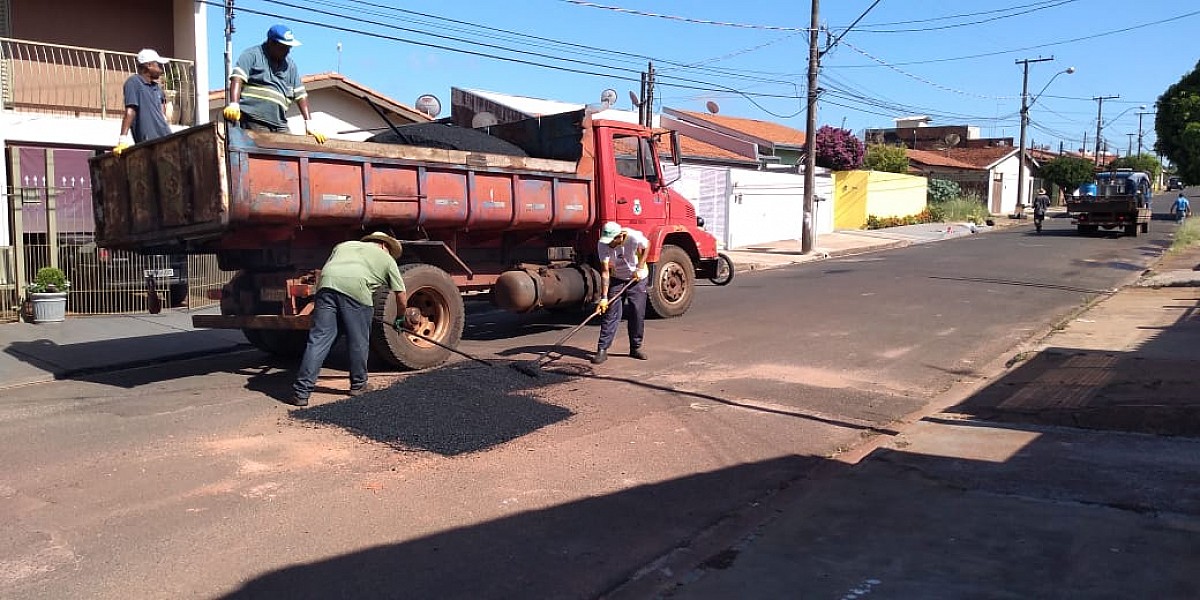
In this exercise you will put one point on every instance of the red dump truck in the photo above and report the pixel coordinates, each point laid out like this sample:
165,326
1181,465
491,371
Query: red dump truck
522,228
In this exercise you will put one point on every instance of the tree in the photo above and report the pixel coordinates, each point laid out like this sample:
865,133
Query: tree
1068,172
1142,162
838,149
1178,125
886,158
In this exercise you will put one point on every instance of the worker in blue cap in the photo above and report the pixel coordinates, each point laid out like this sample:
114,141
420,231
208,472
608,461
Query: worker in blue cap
265,83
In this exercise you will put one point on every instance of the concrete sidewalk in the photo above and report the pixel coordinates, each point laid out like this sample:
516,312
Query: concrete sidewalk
1070,473
83,344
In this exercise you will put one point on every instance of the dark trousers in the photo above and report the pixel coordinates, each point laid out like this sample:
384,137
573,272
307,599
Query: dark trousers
251,124
334,310
635,298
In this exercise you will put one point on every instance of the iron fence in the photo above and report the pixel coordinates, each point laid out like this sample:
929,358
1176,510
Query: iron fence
71,80
54,227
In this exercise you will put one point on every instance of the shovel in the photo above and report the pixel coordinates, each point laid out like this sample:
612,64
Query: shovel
533,368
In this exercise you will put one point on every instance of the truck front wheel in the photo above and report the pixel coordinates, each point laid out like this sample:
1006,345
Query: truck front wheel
673,283
432,291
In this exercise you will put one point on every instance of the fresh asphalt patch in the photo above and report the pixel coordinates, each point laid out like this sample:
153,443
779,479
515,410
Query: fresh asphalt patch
453,410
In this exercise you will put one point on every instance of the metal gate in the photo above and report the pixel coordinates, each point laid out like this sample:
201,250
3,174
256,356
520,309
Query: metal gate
53,226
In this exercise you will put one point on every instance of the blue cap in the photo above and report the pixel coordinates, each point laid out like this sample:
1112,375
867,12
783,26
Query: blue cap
282,35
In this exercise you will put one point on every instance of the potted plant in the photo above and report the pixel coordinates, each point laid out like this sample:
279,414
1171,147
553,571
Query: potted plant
48,295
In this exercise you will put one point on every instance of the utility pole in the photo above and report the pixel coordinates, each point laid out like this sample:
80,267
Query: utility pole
809,231
1084,147
1024,124
1099,122
1129,152
229,29
1139,133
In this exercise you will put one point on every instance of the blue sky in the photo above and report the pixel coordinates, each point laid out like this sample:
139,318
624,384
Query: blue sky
905,57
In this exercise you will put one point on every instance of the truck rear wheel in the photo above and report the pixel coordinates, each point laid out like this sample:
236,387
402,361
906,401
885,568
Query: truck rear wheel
432,291
673,283
284,343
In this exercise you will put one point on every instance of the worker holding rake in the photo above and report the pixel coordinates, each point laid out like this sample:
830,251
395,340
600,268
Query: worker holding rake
622,255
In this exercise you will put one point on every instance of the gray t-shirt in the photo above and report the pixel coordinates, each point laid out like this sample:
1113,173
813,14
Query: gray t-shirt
146,99
268,89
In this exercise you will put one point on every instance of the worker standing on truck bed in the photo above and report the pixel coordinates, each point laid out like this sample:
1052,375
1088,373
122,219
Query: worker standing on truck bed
622,260
264,84
145,103
345,300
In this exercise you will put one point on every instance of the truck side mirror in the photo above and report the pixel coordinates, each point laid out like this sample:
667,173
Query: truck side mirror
675,152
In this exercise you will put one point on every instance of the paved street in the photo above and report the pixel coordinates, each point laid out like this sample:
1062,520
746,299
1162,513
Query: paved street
188,479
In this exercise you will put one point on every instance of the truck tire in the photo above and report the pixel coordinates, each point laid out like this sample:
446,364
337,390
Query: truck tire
672,283
431,290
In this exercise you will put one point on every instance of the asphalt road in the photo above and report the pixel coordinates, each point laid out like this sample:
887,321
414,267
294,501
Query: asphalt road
188,480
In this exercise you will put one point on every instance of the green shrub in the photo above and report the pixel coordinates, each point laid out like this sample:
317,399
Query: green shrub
49,279
942,190
968,208
1187,234
925,216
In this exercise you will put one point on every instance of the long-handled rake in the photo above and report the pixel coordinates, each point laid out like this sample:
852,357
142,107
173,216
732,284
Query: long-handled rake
533,368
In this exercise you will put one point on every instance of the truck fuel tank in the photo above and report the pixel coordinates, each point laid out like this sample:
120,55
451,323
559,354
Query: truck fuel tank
545,286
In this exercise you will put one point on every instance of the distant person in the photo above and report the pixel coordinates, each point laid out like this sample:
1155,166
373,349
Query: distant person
145,103
1181,208
1041,203
622,255
265,83
345,300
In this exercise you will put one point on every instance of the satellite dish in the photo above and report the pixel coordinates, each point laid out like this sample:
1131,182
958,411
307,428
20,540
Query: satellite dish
483,119
953,139
712,107
428,104
634,98
608,97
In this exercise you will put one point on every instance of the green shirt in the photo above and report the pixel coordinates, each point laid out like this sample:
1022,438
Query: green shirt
358,269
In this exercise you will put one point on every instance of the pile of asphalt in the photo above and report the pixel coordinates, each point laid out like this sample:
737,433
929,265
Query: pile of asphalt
447,137
461,408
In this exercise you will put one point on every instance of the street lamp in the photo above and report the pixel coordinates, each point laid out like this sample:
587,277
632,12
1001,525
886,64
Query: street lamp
1026,103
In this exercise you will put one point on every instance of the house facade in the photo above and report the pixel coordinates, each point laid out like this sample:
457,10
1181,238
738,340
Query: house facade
62,68
340,107
989,173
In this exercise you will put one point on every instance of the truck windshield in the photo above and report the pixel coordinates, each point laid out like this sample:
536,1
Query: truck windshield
634,158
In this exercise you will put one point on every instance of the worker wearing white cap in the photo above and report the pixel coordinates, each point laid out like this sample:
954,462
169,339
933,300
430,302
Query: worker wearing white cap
145,103
622,252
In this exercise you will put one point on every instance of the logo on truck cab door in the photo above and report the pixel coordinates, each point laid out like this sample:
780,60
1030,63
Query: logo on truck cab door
637,206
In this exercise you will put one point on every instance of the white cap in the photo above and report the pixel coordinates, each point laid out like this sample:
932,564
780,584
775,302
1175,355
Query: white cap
148,56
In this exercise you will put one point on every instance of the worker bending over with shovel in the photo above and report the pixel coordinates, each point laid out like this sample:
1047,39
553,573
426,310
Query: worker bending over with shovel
345,301
622,255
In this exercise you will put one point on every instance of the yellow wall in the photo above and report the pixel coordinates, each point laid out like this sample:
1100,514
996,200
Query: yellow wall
863,193
850,199
896,194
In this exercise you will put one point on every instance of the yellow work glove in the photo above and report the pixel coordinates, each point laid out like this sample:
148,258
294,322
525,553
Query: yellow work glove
317,135
123,142
232,112
602,305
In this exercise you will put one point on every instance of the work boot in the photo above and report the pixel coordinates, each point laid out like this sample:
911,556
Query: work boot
600,356
636,352
298,401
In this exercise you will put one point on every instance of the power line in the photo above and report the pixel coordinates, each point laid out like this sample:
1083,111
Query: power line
922,79
834,43
971,23
682,19
1037,47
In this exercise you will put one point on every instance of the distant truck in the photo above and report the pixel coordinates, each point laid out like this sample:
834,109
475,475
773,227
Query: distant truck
524,228
1121,201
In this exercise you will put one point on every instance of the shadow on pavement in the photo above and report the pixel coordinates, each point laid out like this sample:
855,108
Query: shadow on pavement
577,550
